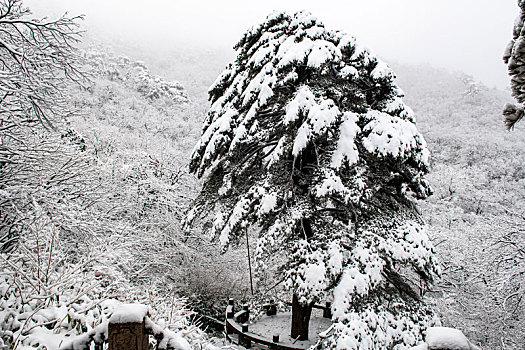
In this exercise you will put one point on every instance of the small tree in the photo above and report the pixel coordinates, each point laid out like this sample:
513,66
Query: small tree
308,142
514,57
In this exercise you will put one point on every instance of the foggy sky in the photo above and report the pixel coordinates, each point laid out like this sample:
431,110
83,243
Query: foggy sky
465,35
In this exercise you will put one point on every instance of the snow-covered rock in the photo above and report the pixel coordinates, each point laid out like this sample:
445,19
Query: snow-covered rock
445,338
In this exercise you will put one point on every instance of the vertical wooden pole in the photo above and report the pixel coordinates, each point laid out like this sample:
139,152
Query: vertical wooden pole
249,262
327,311
243,339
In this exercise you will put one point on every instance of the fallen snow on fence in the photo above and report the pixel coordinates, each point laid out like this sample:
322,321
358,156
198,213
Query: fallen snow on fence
129,313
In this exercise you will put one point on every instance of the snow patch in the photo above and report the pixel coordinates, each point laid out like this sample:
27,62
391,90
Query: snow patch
446,338
301,139
382,71
330,184
268,204
314,275
130,313
322,51
292,51
393,136
349,72
322,115
335,262
346,147
304,98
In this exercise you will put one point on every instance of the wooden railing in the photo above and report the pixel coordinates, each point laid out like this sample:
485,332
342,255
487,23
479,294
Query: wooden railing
237,328
327,309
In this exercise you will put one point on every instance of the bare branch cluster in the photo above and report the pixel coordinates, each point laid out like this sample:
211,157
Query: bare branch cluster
38,58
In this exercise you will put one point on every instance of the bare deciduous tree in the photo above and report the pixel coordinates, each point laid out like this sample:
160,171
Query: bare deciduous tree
38,59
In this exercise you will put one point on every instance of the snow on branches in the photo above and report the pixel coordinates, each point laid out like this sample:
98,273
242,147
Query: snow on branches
514,57
38,59
308,141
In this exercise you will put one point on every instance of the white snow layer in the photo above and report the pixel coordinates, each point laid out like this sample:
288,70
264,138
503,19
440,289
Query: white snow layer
130,313
292,51
303,99
335,262
346,147
331,184
320,115
268,203
349,72
393,136
301,139
314,275
446,338
382,71
321,52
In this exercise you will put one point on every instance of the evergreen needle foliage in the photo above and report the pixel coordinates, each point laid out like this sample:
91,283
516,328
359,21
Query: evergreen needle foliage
309,143
514,57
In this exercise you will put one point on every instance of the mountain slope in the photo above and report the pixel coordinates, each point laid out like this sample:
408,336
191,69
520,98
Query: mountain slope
476,213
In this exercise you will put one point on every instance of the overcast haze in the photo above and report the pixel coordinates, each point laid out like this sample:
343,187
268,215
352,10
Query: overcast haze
466,35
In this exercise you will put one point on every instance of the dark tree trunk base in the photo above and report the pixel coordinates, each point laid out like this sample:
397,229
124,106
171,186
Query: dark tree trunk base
300,319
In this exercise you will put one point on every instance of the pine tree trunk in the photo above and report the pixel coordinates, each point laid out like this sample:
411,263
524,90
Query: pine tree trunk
300,319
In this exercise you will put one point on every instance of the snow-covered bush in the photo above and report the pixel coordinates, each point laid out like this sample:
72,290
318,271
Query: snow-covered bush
51,296
308,141
38,60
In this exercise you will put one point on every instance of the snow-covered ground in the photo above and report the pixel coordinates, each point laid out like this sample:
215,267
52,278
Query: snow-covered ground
268,326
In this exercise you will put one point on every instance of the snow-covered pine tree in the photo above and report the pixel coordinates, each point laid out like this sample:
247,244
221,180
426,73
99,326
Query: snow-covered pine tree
308,142
514,57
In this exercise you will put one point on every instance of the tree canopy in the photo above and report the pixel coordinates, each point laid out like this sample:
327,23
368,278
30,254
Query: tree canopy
309,143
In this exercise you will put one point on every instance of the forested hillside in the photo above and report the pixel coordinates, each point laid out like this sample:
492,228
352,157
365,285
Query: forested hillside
96,200
91,207
476,215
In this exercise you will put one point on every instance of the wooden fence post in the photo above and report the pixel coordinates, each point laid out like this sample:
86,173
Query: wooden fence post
327,311
271,308
129,336
245,316
243,339
230,313
275,341
127,330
